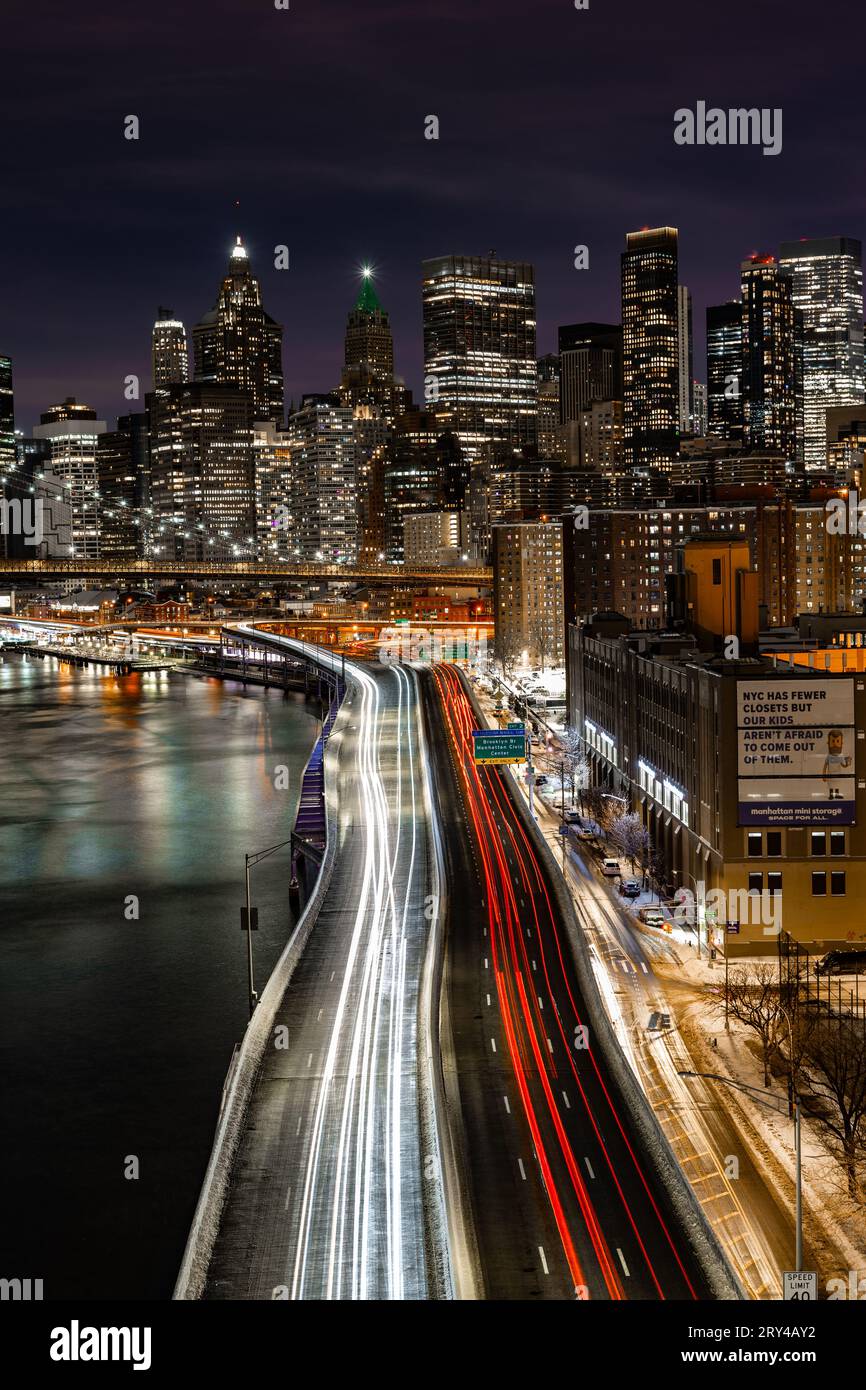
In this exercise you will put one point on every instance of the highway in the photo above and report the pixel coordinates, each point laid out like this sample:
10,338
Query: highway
325,1199
565,1199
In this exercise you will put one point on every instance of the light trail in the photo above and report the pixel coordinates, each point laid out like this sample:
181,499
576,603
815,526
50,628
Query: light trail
498,829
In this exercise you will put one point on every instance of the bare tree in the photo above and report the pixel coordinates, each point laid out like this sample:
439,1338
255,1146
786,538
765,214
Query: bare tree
507,649
540,637
575,763
833,1076
631,836
597,805
754,999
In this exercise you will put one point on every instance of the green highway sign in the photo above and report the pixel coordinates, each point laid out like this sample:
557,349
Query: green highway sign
498,746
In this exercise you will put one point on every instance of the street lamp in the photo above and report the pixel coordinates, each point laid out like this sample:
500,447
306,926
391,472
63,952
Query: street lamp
771,1105
247,921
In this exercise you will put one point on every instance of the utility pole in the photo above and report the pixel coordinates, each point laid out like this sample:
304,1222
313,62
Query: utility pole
253,997
250,915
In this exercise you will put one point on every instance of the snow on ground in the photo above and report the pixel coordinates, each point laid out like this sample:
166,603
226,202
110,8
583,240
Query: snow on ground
834,1225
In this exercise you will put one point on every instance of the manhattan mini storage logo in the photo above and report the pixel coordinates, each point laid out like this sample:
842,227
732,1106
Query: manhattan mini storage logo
77,1343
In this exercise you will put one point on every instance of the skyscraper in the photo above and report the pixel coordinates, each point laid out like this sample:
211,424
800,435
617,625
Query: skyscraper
324,487
772,357
72,431
202,471
238,344
368,372
590,370
827,284
699,411
551,436
168,349
7,416
725,371
685,359
650,329
123,466
479,350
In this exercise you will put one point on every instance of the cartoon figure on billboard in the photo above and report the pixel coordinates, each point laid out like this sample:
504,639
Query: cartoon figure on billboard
833,765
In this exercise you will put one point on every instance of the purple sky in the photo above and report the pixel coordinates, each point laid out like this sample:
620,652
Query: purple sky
556,129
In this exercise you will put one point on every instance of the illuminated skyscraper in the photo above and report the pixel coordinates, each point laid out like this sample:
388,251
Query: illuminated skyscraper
551,435
650,331
72,431
772,358
368,372
685,356
725,371
202,471
169,350
324,503
7,416
699,413
827,282
590,370
479,350
238,344
123,465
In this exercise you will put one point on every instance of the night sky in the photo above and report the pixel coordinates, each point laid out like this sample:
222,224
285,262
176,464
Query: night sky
556,129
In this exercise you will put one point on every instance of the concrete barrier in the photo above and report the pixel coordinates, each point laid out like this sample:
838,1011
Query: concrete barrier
452,1254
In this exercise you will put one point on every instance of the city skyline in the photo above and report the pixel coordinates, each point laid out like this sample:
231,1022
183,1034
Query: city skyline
364,273
146,223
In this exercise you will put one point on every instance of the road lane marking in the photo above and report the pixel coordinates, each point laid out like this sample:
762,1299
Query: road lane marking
288,1195
493,1043
298,1130
540,1002
534,966
333,973
643,968
309,1061
543,1259
567,1101
550,1044
505,1098
623,1263
522,1169
589,1167
319,1014
486,967
488,1001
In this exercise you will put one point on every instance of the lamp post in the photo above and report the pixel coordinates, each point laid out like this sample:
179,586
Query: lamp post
798,1159
247,915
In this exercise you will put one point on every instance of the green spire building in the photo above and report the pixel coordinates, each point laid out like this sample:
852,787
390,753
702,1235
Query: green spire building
368,372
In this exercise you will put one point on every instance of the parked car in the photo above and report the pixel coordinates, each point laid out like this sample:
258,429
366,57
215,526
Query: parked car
573,818
652,917
843,962
610,868
630,888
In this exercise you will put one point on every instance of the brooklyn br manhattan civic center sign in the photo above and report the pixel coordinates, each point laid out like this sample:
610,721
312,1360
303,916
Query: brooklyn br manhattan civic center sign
796,751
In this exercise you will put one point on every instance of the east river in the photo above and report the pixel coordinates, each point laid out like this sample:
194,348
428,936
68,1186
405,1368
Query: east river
116,1032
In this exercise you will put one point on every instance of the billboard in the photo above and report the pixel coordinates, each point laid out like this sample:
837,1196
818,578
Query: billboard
796,752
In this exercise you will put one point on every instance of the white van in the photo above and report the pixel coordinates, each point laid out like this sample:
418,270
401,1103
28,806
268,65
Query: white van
610,868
